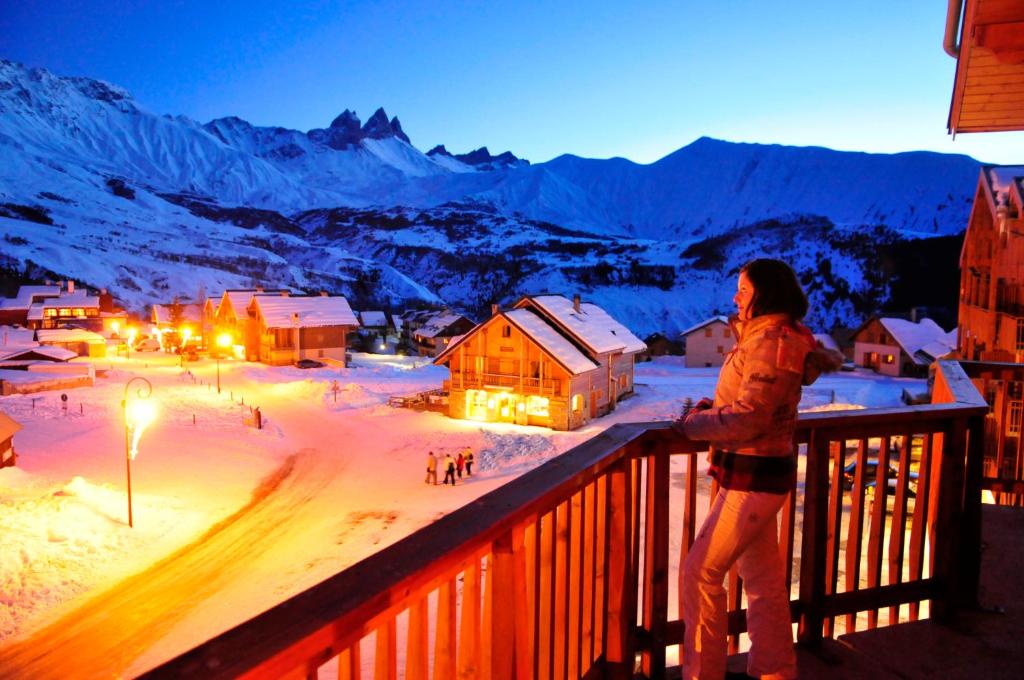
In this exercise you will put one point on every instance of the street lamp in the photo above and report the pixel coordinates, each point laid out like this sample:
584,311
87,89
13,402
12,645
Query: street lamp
223,340
138,414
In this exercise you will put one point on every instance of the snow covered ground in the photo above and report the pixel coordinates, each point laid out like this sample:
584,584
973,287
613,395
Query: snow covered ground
344,472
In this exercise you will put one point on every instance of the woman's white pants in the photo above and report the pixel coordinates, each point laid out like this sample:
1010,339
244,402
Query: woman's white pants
741,528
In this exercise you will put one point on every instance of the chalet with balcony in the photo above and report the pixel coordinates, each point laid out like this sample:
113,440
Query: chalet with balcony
232,317
708,343
548,361
899,347
991,307
289,328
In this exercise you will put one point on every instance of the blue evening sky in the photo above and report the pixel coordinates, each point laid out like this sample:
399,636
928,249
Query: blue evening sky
595,79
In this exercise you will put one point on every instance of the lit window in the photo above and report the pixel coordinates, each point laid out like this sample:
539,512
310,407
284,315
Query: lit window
538,406
64,311
50,312
79,311
889,358
1013,426
577,402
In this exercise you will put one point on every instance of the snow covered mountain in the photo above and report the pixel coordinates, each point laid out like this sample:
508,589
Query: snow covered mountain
95,188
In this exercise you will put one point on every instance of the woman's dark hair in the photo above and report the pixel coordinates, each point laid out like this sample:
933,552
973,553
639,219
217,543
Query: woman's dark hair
776,290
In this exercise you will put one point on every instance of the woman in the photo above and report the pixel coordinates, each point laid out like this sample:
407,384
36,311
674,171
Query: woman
750,423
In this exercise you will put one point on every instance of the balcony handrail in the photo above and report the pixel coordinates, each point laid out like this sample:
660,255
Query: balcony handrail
331,618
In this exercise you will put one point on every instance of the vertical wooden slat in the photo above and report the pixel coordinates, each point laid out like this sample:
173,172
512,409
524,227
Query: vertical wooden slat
501,577
486,627
918,527
655,607
876,533
545,594
523,543
445,654
349,663
897,531
560,593
689,524
469,633
575,586
835,525
812,549
619,584
385,663
970,548
600,567
855,528
587,588
734,602
417,653
636,491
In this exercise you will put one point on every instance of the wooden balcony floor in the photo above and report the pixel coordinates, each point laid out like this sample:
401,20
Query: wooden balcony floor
980,644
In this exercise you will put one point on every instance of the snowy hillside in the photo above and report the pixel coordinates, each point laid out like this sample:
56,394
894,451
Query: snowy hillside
95,188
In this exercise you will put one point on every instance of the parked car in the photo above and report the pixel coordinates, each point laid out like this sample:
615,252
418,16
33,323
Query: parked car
309,363
871,476
147,345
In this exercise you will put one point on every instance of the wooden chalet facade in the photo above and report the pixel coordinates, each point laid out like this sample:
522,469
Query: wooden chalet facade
708,343
8,428
289,328
232,317
991,306
898,347
547,362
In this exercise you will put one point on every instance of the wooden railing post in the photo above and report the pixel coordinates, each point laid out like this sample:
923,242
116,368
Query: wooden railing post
970,549
502,610
655,611
621,589
813,549
948,521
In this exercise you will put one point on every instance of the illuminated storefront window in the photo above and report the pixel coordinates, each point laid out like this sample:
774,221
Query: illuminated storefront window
538,406
577,402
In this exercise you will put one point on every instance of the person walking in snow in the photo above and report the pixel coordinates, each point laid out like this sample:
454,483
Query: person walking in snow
469,462
449,468
431,469
750,422
460,463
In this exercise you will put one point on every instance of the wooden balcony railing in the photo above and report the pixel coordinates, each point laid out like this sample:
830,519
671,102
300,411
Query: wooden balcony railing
529,385
565,571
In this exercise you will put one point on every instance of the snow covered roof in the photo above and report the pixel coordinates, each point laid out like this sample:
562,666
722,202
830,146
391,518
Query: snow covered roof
705,322
438,325
12,337
541,332
40,352
239,299
913,337
59,335
305,312
827,341
591,325
374,318
189,312
25,295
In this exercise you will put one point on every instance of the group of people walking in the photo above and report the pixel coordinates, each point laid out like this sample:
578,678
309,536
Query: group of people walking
453,467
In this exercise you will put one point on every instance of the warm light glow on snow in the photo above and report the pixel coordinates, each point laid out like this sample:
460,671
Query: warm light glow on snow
139,413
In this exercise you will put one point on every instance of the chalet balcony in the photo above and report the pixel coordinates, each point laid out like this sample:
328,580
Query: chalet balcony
524,385
569,570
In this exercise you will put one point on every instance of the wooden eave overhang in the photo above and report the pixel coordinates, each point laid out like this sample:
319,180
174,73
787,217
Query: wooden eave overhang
988,90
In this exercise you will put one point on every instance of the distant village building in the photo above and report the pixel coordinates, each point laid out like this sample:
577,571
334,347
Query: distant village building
373,331
25,356
658,344
548,361
78,340
434,335
55,306
8,428
232,317
898,347
289,328
708,342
